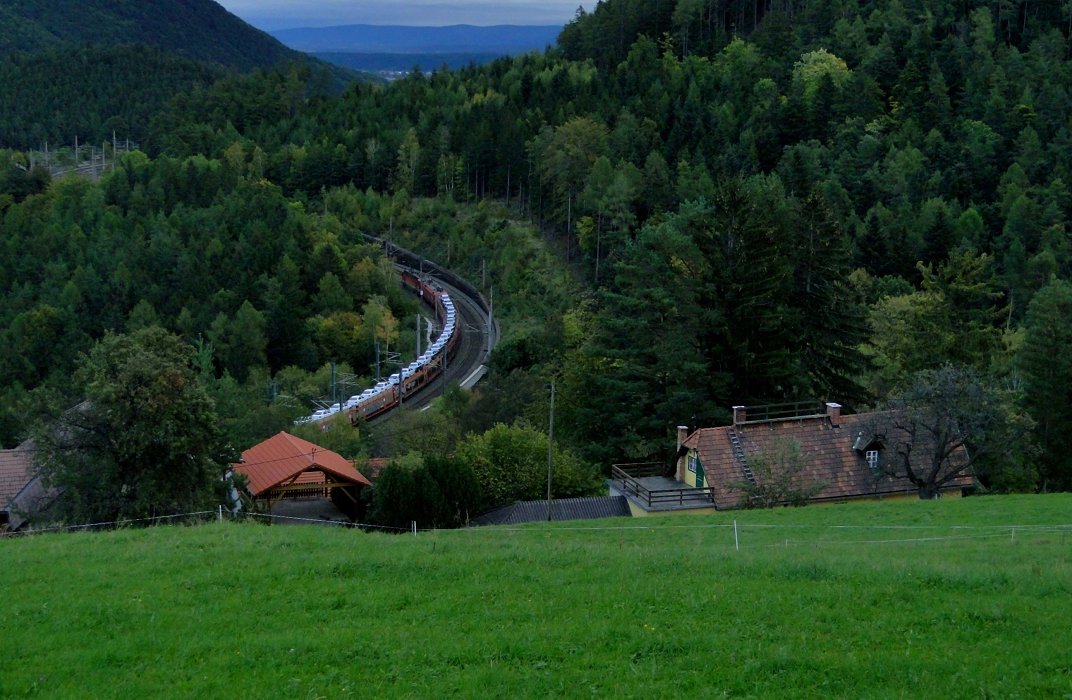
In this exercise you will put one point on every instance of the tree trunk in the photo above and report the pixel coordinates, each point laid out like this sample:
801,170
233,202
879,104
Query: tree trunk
929,492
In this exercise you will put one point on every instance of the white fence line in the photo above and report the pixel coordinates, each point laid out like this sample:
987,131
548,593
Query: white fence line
113,523
959,532
320,521
1060,527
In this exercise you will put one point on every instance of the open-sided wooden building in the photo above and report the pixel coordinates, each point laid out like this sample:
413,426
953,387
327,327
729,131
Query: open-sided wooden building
285,466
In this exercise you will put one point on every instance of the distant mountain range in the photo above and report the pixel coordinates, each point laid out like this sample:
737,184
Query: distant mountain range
388,63
91,68
196,29
500,40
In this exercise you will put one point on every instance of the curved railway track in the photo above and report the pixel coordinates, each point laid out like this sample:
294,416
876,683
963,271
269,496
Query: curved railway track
477,337
458,308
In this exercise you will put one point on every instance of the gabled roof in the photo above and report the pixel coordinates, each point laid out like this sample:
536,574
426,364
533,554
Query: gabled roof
29,502
284,457
16,470
826,450
561,509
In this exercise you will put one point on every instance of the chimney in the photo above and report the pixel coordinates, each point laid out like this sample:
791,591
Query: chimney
833,412
739,415
682,434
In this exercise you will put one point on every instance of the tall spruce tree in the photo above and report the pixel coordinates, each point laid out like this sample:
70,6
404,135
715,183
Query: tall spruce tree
1046,365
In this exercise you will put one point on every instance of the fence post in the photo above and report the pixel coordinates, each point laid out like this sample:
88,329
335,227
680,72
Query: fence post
413,523
221,514
736,539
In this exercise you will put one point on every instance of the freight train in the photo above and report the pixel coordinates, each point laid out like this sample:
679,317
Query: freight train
388,393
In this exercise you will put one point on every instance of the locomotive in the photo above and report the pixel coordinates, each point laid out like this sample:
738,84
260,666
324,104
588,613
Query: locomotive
388,393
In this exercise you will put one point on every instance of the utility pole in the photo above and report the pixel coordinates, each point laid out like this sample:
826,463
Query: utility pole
418,336
569,213
550,437
377,344
491,322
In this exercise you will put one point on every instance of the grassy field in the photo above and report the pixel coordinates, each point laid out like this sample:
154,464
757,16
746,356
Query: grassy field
969,598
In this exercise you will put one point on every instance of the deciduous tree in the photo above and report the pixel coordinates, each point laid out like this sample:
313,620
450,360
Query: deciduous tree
946,423
145,439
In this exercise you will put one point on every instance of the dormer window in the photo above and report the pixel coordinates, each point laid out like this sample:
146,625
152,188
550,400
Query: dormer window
872,459
865,444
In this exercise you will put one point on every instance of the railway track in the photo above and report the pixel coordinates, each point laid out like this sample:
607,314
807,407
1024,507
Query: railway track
473,347
467,335
479,334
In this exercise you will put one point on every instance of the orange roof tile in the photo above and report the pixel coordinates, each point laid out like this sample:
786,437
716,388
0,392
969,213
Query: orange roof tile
16,470
284,457
826,450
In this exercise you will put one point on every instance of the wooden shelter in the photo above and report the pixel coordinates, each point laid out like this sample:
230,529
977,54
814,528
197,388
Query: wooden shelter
285,466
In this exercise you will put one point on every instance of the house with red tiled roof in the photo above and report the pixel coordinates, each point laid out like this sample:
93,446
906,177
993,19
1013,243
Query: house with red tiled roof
835,457
288,467
23,494
16,472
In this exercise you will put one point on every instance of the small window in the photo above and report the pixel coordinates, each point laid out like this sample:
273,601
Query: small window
872,459
692,463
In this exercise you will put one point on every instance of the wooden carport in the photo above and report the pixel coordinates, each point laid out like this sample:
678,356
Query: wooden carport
285,466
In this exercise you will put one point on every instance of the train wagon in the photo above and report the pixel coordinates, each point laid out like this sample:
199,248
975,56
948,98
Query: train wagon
387,393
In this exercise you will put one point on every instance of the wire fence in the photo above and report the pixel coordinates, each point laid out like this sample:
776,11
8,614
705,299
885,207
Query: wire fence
201,518
744,534
204,515
765,535
272,518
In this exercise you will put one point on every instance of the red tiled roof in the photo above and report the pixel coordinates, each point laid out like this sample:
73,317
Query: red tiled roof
826,450
16,470
284,457
374,466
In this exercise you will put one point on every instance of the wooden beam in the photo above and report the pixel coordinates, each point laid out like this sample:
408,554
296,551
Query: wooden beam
279,490
349,495
315,485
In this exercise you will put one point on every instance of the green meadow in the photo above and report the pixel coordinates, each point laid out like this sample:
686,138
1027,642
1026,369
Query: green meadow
958,598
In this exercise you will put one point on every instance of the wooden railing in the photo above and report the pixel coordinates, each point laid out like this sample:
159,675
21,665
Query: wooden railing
641,469
783,411
628,475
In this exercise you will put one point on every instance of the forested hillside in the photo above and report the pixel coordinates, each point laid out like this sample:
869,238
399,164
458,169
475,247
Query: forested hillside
91,92
197,29
749,202
93,69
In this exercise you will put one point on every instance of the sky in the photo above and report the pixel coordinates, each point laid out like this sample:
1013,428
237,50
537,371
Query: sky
271,15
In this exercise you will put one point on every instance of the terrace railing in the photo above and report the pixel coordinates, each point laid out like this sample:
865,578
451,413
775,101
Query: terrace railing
628,478
783,411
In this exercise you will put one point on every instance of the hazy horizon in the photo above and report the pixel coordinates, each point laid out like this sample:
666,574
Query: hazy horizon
274,15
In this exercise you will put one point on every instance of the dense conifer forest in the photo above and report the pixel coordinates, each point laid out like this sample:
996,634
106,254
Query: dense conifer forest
201,30
684,206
